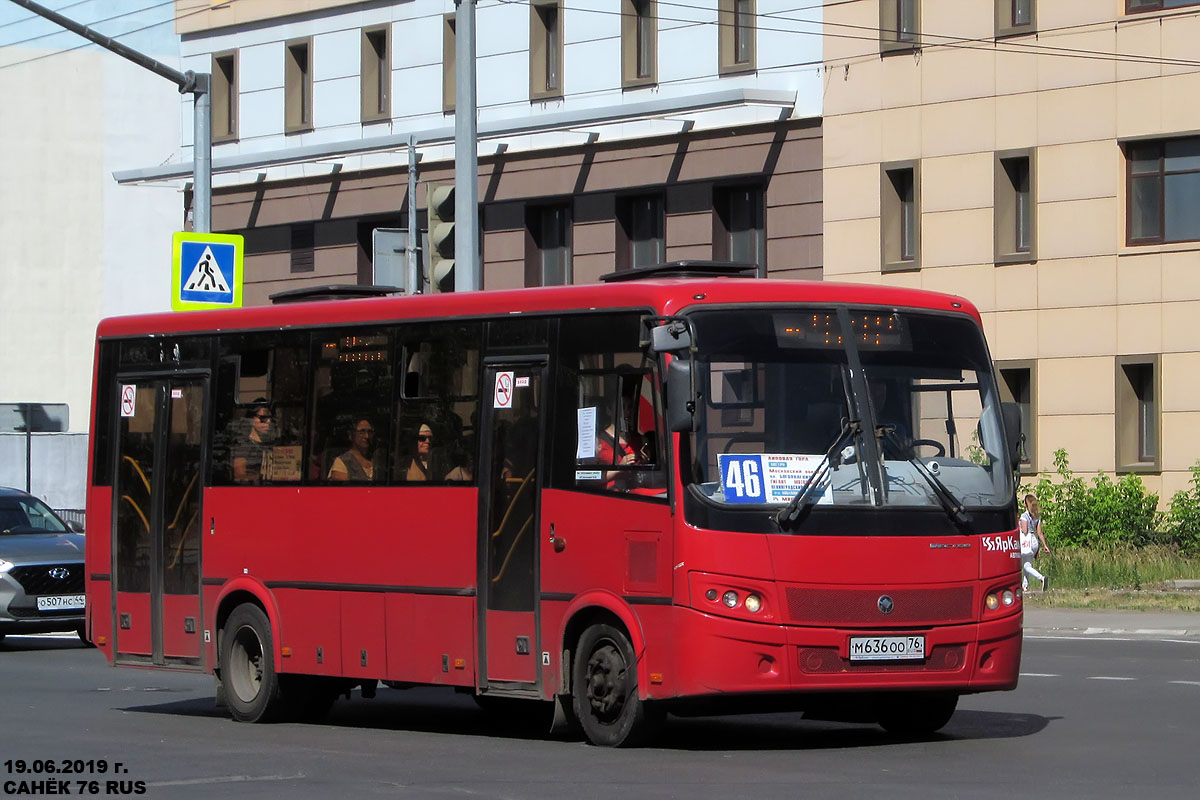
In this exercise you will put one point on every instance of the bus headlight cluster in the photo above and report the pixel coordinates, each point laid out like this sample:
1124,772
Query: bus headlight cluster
1000,598
731,599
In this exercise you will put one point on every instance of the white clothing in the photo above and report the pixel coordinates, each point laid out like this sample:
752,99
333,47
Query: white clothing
1029,549
1029,540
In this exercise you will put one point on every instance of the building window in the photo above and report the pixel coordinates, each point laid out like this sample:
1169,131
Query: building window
1014,17
900,216
548,249
303,247
1018,384
1015,207
1137,413
899,26
297,86
737,23
376,80
639,42
739,233
1138,6
1163,191
448,62
640,231
224,97
545,49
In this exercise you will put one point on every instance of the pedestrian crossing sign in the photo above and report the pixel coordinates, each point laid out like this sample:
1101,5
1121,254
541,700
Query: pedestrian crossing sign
206,271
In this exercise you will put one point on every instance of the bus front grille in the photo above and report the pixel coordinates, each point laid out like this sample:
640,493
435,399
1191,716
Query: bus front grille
862,607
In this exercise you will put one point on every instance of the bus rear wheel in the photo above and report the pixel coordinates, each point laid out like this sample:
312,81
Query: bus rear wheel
916,713
252,688
605,691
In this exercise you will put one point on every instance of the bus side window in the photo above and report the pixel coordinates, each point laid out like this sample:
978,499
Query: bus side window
260,378
437,410
609,409
351,387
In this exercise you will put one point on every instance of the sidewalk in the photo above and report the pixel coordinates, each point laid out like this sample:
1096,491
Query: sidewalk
1088,622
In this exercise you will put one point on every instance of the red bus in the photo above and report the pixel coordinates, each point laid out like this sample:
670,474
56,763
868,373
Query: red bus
679,491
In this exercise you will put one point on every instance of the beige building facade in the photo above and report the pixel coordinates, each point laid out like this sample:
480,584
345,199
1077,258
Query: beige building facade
1041,158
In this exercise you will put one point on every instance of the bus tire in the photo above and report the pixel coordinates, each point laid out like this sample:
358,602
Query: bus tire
916,713
605,691
252,687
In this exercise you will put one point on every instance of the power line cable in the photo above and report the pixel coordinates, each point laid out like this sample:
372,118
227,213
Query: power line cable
963,43
126,33
57,31
33,17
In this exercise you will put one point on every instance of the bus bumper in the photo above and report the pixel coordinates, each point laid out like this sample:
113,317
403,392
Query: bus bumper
718,655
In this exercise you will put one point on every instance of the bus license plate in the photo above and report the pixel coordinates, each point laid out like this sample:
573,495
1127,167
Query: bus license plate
887,648
60,602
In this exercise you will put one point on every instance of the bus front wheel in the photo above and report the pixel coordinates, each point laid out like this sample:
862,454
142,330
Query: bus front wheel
605,692
252,688
916,713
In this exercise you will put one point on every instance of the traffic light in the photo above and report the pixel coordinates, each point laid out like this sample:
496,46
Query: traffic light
441,236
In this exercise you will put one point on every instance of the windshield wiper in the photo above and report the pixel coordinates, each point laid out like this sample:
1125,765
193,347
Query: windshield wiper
791,512
953,506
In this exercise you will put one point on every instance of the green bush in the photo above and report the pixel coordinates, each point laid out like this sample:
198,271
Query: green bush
1101,514
1183,518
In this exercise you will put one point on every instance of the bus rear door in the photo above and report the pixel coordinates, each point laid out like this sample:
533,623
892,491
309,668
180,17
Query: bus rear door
511,463
157,525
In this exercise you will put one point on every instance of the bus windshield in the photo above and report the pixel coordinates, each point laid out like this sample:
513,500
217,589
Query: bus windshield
847,407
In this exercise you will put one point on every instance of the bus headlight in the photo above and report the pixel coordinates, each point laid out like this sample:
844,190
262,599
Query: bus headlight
1008,598
753,603
992,601
730,598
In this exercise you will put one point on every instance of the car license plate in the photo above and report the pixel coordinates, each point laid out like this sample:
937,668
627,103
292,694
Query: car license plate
887,648
60,602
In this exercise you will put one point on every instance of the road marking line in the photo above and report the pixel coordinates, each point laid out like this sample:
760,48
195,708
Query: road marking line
1108,678
1187,683
227,779
1039,675
1089,638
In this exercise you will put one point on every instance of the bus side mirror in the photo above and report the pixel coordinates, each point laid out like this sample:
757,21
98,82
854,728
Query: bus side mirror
1011,414
681,396
670,338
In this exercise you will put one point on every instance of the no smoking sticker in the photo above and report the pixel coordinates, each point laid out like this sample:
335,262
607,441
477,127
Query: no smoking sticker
128,398
503,395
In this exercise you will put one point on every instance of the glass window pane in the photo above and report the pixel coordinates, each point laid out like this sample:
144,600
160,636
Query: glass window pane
907,19
1182,200
1145,214
1144,159
742,31
1022,12
1182,154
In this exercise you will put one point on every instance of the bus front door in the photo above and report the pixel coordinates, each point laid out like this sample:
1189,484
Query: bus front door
157,525
513,430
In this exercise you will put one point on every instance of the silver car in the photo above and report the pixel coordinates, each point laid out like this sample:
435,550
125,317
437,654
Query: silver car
41,568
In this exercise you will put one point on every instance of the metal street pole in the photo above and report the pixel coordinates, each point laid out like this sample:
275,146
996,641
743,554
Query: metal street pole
468,271
415,284
197,84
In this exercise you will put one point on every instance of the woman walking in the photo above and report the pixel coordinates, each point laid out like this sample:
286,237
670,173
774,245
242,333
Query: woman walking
1032,542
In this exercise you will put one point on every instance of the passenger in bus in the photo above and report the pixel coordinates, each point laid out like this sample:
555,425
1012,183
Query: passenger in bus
419,467
427,463
248,454
357,464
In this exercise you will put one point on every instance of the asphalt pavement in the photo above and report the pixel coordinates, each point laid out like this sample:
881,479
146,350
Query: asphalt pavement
1109,622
